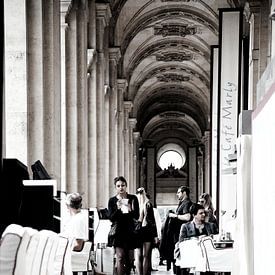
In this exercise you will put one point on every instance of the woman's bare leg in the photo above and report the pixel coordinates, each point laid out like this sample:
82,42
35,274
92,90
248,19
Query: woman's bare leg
146,258
120,260
139,261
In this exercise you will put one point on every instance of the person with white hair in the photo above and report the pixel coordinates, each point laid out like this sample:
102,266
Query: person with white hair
76,227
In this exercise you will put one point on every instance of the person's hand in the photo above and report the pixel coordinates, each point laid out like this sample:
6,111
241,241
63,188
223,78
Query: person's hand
118,203
172,215
156,240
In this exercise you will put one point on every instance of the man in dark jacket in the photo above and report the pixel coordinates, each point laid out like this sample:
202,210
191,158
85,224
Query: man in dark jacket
195,228
173,224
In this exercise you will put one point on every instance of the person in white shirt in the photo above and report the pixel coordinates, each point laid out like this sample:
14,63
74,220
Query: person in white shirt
76,227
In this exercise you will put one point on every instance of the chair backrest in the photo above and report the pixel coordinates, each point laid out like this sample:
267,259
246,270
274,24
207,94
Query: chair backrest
31,252
217,259
10,242
81,259
40,262
59,256
22,251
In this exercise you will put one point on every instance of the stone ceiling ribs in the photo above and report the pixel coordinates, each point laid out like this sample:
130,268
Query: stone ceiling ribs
165,47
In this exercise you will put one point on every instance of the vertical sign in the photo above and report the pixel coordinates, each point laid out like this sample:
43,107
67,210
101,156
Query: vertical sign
228,110
214,121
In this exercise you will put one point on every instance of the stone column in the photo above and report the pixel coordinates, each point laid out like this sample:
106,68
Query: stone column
127,109
200,170
64,5
206,142
92,106
82,108
132,167
34,28
114,56
71,101
192,172
136,159
107,143
122,85
92,137
43,84
51,89
103,15
151,174
15,98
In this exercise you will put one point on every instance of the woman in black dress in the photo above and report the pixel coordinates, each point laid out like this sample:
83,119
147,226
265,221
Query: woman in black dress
123,209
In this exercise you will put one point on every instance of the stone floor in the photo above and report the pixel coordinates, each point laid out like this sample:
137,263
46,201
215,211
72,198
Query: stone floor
161,270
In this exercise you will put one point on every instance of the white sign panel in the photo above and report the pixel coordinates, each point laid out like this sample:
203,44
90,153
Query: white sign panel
229,70
214,122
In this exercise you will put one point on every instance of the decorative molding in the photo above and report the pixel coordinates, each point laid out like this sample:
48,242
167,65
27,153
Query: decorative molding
132,122
103,11
171,115
128,105
174,56
174,29
251,7
114,54
122,84
179,0
136,135
172,77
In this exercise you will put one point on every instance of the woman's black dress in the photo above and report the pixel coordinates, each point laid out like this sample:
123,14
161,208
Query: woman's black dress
125,236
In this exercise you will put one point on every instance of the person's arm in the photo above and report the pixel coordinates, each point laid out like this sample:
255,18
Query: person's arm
183,217
135,207
113,212
183,233
78,245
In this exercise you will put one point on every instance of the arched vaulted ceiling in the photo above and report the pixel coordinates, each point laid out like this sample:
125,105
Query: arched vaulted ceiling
165,58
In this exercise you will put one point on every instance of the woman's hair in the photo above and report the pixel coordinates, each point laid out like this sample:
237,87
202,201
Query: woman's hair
208,201
142,196
74,200
141,190
120,178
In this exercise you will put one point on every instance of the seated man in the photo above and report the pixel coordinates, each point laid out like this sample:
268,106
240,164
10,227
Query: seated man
195,228
77,225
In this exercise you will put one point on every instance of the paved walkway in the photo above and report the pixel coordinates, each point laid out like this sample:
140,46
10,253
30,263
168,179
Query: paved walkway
162,270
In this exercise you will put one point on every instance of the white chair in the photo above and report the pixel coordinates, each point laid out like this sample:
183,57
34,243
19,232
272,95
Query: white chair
59,257
216,259
81,259
190,254
51,239
31,250
20,268
10,242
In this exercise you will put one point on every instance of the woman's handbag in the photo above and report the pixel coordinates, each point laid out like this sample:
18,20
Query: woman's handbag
112,233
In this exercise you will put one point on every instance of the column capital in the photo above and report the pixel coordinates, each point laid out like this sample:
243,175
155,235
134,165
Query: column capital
122,84
91,57
132,122
128,106
136,135
206,137
114,54
107,90
251,7
103,12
